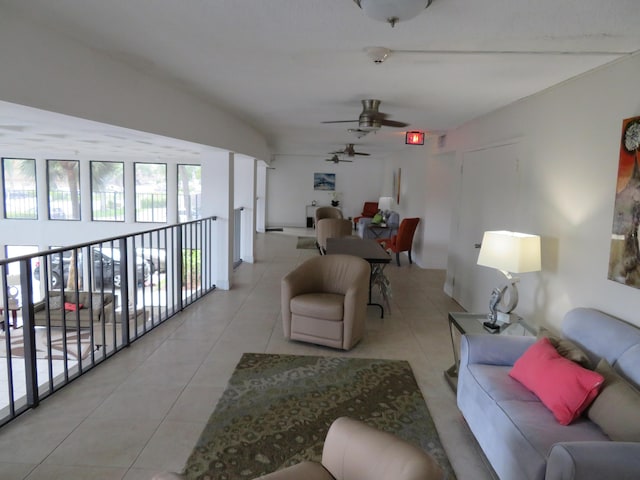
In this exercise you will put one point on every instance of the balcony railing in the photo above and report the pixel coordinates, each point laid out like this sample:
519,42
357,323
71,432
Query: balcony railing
69,309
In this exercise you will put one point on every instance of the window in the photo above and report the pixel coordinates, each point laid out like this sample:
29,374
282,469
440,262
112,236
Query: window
189,192
107,191
12,272
63,180
151,192
19,182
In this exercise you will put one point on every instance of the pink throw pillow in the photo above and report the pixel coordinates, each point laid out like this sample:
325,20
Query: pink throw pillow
564,387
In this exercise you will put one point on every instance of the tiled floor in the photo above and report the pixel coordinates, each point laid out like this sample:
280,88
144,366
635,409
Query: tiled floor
141,412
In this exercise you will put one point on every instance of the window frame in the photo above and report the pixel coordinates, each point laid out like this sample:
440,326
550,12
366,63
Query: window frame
178,186
135,192
5,189
50,207
123,192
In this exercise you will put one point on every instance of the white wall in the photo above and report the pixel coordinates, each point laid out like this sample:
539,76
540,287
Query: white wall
261,196
45,70
245,194
426,181
425,193
570,141
290,187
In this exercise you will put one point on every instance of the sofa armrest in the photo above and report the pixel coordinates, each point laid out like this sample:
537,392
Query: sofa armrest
493,349
594,461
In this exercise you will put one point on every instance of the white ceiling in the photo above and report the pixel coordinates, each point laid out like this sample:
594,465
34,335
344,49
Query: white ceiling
285,66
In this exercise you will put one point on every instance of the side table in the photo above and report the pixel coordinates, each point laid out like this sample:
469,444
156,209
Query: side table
461,323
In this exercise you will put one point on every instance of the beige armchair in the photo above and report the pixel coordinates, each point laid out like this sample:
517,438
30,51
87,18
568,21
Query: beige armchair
331,228
324,301
355,451
327,212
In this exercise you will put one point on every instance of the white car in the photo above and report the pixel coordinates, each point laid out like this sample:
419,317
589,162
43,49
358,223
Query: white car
157,258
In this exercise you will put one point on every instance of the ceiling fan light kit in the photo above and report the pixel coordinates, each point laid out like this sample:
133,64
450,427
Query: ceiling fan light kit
392,11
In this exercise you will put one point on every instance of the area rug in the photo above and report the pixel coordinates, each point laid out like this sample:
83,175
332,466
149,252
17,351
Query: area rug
56,340
277,409
306,243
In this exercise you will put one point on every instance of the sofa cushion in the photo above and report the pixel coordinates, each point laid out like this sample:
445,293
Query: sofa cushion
566,348
563,386
329,306
616,409
55,302
498,385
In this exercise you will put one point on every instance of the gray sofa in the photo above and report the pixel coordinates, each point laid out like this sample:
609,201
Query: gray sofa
391,219
92,310
518,434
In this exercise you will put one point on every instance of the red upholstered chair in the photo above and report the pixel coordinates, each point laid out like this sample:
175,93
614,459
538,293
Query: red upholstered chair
368,210
402,241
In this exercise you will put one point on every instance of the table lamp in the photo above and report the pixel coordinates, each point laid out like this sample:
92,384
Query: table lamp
384,203
508,252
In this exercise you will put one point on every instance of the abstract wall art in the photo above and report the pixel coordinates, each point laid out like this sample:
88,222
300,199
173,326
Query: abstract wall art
624,255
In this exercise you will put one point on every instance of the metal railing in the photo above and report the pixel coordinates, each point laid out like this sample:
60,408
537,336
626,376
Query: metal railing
69,309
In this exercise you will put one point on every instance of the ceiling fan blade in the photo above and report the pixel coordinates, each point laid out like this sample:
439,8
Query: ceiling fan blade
393,123
340,121
363,154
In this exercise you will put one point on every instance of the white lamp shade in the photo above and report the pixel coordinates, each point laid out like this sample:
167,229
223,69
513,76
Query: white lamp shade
510,251
401,10
384,203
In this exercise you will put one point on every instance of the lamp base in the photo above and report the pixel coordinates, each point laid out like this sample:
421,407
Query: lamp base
491,327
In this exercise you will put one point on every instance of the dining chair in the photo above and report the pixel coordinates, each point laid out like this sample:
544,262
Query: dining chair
403,240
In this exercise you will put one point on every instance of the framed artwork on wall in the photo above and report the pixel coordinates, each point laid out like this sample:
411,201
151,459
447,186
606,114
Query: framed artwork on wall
624,254
324,181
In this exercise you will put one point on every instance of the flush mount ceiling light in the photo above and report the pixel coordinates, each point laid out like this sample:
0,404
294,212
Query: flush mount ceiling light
392,11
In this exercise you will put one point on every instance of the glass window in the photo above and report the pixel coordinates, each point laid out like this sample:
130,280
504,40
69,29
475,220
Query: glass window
107,191
189,192
19,182
151,192
63,180
13,280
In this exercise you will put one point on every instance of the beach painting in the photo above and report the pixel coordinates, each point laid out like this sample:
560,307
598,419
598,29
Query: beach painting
324,181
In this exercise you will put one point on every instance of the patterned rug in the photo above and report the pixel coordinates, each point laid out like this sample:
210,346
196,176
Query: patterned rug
44,343
277,409
306,243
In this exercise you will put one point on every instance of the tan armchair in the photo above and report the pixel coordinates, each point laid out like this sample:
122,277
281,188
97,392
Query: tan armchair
331,228
355,451
324,301
327,212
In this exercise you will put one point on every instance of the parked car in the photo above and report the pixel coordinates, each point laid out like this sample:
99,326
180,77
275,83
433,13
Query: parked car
157,257
106,268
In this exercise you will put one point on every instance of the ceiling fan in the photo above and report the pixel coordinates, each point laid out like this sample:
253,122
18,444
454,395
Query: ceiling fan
371,118
349,151
335,159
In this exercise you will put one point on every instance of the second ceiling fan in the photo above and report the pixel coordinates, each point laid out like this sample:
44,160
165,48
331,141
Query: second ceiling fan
350,151
336,159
